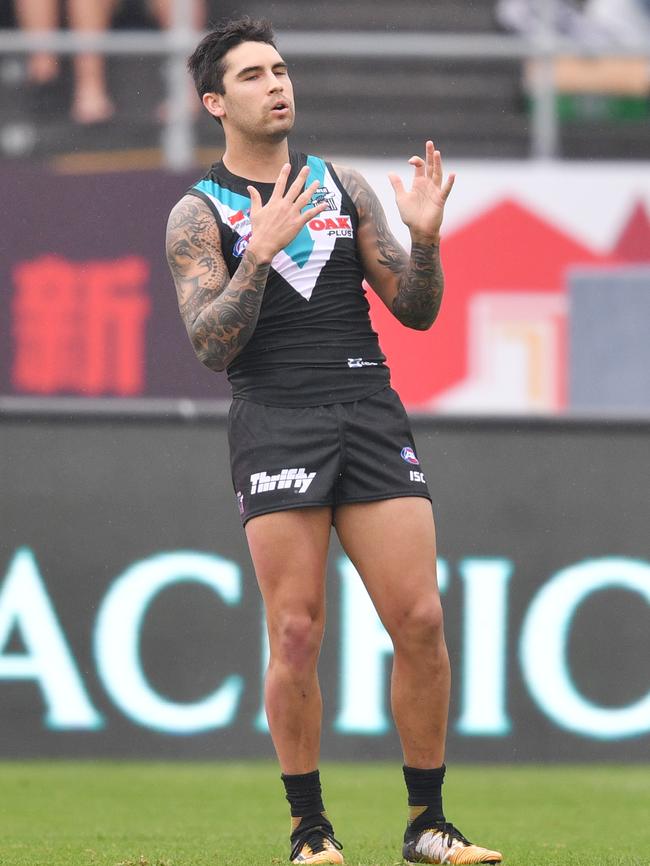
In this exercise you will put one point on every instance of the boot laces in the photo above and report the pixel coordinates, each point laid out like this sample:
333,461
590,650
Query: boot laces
448,833
315,837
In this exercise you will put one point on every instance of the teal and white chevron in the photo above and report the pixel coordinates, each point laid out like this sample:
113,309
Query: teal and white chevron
300,262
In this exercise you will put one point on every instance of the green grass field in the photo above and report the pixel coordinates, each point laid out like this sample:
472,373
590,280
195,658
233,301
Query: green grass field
144,814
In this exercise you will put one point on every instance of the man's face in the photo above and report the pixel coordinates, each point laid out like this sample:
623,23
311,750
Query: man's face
258,98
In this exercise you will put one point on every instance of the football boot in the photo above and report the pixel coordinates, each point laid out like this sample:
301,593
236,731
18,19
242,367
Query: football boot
443,843
312,841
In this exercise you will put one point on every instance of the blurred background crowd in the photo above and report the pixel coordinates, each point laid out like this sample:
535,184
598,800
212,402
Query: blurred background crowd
470,84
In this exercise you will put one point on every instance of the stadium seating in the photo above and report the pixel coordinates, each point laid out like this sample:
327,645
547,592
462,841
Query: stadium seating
378,106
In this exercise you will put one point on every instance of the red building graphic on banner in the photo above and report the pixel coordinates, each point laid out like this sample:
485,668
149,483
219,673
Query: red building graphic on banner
500,339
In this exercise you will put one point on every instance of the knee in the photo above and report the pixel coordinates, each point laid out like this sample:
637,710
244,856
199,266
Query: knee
295,640
420,625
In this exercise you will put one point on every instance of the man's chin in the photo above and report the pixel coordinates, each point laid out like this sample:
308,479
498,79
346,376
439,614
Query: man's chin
279,136
279,131
284,125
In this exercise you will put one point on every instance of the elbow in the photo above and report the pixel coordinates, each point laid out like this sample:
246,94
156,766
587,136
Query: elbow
214,364
211,361
416,316
419,322
206,352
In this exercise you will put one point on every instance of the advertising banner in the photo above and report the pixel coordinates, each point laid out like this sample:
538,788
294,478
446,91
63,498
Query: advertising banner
131,624
90,309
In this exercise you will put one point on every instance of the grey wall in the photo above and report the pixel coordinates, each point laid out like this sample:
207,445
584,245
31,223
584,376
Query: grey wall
609,322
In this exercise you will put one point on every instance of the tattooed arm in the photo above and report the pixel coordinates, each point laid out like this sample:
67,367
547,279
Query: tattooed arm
220,313
410,286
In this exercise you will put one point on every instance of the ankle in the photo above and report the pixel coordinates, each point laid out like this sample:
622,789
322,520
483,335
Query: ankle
424,795
303,792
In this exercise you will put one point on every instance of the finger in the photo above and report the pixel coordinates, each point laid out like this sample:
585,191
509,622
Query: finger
448,187
437,167
430,158
396,183
281,182
298,185
256,199
418,164
311,212
305,197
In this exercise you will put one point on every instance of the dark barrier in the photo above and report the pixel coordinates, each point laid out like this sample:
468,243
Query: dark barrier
130,623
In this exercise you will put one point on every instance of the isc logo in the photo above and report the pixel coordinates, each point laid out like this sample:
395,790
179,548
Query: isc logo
417,476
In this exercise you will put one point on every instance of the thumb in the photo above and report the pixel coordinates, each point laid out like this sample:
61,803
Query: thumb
396,183
256,199
448,187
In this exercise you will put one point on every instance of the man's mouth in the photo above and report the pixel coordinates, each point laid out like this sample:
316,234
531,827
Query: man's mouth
280,107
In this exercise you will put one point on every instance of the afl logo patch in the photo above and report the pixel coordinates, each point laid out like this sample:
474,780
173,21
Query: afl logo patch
408,454
241,245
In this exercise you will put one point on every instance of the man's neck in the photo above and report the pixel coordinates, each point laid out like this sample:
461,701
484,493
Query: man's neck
259,161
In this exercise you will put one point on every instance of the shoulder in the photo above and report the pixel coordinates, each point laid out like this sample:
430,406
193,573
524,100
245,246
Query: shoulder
192,221
357,187
188,206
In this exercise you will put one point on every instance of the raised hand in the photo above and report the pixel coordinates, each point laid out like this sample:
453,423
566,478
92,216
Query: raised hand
275,224
422,207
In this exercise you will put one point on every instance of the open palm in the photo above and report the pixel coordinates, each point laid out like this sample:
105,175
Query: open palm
422,207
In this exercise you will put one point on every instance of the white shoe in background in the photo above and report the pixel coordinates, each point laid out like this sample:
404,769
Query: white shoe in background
627,22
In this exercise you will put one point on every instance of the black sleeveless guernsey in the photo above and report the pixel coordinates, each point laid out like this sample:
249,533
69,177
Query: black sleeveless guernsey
313,343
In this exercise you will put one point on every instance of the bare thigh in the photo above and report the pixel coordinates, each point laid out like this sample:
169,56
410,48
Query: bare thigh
392,544
289,553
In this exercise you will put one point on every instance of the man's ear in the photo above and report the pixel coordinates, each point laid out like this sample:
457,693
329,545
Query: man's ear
213,102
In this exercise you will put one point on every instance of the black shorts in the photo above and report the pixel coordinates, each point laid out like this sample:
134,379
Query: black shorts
285,457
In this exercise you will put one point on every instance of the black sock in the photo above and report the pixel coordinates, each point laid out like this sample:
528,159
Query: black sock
304,794
425,795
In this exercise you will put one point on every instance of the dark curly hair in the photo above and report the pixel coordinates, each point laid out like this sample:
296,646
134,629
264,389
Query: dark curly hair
206,63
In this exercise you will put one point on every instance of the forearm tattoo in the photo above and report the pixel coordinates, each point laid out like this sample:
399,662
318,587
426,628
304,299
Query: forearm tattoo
419,294
220,313
420,277
224,327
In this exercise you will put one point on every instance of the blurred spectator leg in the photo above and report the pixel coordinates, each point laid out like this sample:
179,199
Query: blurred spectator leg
91,102
42,67
163,12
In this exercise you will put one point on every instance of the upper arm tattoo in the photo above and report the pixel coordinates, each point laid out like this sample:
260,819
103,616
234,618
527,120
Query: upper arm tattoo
220,313
420,279
390,253
194,257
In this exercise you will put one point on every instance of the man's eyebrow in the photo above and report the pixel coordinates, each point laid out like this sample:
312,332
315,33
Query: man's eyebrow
248,69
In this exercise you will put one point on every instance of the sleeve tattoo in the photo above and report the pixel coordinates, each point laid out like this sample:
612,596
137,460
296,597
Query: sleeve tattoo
220,313
420,277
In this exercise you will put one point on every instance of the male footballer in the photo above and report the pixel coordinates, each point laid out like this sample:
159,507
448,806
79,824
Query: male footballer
268,253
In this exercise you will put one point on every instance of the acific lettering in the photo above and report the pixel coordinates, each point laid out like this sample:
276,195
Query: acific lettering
117,642
544,640
364,653
48,661
483,676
